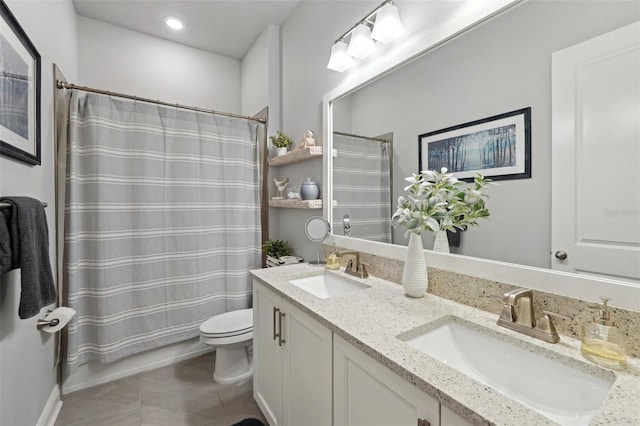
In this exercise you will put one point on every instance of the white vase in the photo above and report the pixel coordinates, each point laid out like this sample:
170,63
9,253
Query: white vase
441,242
414,274
281,151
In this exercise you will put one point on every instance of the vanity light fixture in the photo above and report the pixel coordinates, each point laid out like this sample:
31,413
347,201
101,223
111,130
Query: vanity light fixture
386,27
173,23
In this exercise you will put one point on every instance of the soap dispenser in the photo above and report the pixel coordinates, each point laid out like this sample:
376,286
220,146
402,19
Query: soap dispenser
333,260
602,342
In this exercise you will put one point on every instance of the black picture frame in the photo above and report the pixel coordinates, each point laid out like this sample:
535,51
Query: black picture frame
498,147
19,91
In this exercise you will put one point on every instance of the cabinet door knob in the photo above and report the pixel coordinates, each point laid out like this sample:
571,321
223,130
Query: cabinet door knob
562,255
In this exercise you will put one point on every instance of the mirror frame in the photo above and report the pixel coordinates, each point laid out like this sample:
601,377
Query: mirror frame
573,285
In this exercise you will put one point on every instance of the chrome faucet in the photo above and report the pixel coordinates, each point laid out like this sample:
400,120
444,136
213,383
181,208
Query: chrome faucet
517,314
354,266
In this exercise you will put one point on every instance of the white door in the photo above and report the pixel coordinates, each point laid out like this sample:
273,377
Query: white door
596,156
367,394
306,368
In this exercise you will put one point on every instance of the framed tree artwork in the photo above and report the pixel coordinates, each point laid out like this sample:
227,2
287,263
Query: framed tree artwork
498,147
19,91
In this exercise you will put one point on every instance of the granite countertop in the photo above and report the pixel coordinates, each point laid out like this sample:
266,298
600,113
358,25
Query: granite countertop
371,320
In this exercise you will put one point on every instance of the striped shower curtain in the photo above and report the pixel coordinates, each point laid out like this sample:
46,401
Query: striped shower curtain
361,187
162,223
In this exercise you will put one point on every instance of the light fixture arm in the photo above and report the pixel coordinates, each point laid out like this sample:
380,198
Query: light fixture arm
365,20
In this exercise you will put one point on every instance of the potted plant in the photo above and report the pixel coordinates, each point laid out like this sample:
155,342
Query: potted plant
281,141
437,202
277,248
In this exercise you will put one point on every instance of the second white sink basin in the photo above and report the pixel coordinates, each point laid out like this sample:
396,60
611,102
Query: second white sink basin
562,393
328,285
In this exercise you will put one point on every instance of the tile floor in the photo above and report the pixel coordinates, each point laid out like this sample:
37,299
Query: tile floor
183,394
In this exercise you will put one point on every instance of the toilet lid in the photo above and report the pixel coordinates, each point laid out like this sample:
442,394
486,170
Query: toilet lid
231,323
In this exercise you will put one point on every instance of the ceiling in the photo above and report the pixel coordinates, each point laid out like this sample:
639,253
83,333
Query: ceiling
224,27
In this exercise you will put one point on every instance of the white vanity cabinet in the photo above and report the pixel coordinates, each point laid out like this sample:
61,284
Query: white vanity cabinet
367,393
292,362
449,418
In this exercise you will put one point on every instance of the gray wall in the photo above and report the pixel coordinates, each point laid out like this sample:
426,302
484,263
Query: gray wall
27,356
121,60
307,37
500,66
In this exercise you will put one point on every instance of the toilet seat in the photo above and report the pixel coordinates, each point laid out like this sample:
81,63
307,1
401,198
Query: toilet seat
229,324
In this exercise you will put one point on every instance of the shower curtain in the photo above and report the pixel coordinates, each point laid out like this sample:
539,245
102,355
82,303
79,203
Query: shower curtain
162,223
361,187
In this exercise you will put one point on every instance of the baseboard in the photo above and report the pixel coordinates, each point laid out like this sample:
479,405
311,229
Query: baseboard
96,374
51,409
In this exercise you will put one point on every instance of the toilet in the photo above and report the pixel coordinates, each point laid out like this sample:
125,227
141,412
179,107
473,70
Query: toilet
230,334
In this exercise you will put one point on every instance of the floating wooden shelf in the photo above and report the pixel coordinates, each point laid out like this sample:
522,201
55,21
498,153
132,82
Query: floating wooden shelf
295,156
296,204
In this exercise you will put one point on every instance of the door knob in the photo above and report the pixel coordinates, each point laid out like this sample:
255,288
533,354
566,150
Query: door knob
562,255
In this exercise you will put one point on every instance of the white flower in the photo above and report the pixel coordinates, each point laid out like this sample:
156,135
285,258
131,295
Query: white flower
440,201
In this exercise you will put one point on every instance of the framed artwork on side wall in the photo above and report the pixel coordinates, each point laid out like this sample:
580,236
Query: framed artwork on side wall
19,91
497,147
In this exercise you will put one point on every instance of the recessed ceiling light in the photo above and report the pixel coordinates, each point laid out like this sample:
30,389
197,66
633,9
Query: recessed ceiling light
173,23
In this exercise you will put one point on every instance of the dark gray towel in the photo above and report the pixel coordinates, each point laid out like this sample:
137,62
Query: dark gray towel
6,253
25,234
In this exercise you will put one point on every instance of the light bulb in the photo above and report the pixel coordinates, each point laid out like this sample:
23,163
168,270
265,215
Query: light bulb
339,60
387,26
173,23
361,44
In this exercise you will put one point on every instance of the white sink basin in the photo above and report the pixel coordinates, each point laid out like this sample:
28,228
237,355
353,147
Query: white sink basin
564,394
328,285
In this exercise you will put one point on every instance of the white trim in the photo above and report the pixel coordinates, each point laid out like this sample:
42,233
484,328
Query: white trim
89,375
51,409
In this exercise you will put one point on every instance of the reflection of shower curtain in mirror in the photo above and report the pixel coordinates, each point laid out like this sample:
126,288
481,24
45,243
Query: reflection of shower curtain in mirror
361,187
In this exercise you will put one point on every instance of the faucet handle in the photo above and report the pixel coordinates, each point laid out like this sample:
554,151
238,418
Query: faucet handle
363,270
545,325
511,297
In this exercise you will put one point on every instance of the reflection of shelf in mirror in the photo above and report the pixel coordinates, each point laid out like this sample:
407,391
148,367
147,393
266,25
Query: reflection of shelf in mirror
296,204
295,156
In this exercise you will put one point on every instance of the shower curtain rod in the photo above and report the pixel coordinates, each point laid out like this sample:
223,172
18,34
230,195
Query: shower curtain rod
361,137
64,85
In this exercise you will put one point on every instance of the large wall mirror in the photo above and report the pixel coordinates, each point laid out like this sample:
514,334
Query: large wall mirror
501,65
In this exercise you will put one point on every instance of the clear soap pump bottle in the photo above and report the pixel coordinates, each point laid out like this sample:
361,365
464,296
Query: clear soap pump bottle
333,260
602,342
